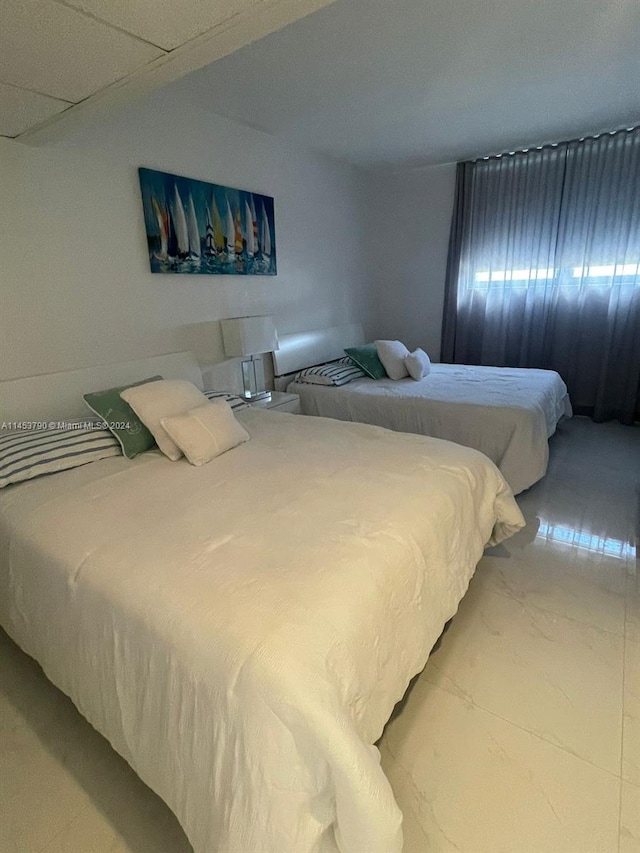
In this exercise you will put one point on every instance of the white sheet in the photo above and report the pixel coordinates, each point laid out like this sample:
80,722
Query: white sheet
508,414
241,631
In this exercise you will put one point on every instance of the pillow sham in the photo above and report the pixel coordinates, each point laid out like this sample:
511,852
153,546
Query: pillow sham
121,420
418,364
392,355
26,454
204,433
334,373
163,399
367,359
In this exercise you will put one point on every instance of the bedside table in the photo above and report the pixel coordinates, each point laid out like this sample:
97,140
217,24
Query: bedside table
280,402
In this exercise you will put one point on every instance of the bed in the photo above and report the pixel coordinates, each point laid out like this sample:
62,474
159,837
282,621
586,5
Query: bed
507,414
241,632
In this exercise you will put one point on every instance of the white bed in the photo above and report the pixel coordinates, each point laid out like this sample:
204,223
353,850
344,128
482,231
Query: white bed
508,414
240,632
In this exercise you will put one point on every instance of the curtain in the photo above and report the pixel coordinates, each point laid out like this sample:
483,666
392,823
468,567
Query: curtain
544,268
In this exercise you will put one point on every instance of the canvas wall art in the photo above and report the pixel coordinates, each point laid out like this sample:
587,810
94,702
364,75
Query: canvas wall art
206,229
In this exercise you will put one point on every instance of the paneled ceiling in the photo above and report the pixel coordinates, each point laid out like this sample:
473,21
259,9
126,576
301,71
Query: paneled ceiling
58,58
372,82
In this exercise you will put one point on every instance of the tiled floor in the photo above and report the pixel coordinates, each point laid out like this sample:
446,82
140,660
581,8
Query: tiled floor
522,735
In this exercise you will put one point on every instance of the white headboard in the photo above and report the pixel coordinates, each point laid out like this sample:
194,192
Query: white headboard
58,396
305,349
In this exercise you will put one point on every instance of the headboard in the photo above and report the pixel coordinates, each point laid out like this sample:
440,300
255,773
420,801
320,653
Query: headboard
58,396
306,349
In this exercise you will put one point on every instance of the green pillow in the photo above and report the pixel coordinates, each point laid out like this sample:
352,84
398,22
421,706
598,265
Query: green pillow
366,357
121,420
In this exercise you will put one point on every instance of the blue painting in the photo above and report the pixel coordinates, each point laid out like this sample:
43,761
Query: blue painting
206,229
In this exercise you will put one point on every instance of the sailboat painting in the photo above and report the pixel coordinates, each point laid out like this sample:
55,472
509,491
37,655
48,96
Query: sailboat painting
206,229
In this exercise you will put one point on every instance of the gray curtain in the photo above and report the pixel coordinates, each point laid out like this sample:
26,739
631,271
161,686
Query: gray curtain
544,268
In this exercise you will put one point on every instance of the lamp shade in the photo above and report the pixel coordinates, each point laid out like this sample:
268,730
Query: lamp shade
249,335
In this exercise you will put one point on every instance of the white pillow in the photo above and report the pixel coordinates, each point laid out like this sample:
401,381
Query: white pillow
392,355
206,432
418,364
163,399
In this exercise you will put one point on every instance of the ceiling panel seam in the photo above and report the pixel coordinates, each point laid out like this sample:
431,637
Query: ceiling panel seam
111,26
38,92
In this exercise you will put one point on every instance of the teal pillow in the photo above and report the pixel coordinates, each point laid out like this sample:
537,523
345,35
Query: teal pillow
121,420
366,357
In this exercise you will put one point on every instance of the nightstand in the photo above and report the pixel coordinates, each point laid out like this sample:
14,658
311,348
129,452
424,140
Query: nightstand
280,402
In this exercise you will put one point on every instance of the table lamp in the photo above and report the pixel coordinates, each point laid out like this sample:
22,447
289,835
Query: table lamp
250,336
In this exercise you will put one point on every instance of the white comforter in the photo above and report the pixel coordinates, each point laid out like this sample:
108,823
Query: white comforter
506,413
240,632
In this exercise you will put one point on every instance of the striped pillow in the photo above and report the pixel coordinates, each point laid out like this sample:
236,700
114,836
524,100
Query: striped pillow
335,373
232,399
25,454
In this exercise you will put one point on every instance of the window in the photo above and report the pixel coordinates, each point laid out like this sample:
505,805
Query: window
603,275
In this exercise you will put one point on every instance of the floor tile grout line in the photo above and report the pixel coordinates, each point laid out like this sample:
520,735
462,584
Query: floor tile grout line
528,731
50,841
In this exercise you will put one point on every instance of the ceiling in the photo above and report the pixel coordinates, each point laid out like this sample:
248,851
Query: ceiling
372,82
378,82
63,60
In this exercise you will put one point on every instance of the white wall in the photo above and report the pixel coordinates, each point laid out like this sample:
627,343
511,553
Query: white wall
75,286
410,211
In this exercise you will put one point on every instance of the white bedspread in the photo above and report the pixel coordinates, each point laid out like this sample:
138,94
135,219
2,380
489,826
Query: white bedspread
241,631
507,413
